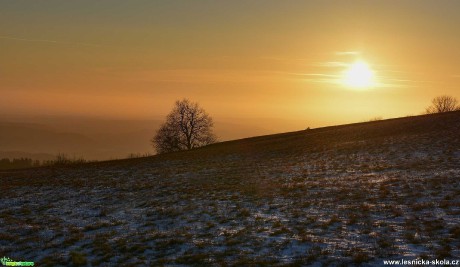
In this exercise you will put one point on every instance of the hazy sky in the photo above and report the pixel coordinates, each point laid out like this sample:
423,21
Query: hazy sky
283,59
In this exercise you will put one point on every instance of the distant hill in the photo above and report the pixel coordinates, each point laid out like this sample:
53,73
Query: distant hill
100,140
19,154
37,138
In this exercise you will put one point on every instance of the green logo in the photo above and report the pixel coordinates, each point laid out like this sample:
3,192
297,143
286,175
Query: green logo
4,260
9,262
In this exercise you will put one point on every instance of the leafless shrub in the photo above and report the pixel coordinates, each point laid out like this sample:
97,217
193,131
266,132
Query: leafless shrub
443,103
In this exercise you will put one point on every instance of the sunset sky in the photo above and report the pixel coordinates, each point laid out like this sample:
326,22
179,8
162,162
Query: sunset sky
238,59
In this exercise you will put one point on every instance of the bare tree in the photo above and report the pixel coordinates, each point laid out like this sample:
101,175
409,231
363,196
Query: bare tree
187,126
443,103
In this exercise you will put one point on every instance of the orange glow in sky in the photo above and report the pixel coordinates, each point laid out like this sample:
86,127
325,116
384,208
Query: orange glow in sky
239,59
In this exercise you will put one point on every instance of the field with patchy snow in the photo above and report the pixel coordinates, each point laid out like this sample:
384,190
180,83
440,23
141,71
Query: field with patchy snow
344,195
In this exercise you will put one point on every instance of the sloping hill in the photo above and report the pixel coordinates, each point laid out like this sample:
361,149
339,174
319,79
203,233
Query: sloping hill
350,194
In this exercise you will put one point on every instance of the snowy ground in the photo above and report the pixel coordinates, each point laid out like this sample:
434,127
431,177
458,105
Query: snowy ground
341,196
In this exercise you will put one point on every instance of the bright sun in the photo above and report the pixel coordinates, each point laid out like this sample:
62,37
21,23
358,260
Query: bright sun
359,76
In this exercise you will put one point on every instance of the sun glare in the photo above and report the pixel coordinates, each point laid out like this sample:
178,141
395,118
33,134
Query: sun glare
359,76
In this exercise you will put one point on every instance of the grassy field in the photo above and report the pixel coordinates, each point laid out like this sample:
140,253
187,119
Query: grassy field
343,195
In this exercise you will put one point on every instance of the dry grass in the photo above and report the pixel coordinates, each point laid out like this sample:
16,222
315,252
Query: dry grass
348,194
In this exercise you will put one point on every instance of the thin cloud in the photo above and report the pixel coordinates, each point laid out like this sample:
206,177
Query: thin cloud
337,79
314,74
327,81
318,77
48,41
331,72
407,81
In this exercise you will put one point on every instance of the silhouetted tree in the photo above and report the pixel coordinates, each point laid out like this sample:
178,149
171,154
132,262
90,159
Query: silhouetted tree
443,103
187,126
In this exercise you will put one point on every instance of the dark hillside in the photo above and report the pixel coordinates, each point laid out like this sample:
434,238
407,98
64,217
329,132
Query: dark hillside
442,125
358,193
